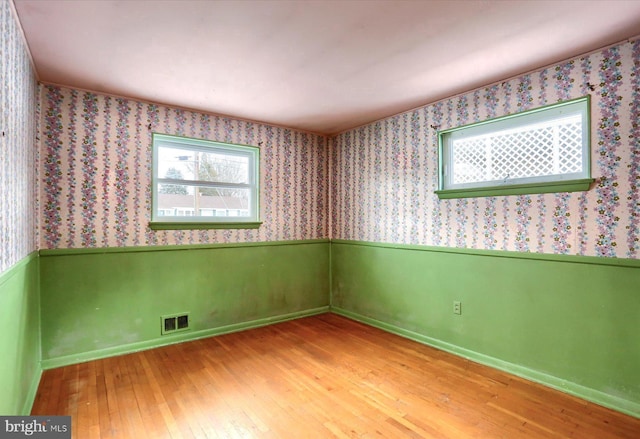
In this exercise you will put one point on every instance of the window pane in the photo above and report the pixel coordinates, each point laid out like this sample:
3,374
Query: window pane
176,163
218,202
180,200
216,167
222,168
469,161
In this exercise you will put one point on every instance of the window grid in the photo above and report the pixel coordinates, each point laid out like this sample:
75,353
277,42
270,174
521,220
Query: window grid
543,149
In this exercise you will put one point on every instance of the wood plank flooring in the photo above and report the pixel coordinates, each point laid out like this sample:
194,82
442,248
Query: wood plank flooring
318,377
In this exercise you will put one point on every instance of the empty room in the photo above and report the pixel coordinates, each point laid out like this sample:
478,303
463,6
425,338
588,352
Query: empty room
317,219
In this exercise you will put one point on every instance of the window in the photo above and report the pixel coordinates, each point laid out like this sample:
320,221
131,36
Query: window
537,151
204,184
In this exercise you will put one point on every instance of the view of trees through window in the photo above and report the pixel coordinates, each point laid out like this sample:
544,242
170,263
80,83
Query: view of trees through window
204,180
221,169
176,189
206,168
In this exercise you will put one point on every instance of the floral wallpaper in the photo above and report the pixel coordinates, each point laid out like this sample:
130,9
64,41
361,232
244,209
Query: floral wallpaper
96,173
96,155
384,174
18,149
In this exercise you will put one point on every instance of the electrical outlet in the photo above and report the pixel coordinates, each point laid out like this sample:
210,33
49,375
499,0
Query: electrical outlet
457,307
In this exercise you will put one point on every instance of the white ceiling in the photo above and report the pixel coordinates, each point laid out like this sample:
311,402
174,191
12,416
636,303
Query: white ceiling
321,66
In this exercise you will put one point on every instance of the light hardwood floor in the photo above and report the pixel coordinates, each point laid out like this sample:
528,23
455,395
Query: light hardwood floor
318,377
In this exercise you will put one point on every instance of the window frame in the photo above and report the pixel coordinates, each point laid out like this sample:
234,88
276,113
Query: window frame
162,222
554,183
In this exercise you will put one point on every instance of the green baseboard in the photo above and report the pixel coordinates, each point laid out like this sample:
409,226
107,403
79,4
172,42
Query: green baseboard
622,405
178,338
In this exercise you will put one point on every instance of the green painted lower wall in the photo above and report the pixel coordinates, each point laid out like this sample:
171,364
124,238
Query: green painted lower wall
565,321
569,322
97,303
20,341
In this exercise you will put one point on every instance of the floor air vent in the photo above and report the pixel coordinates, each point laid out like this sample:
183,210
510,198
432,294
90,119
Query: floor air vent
174,323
